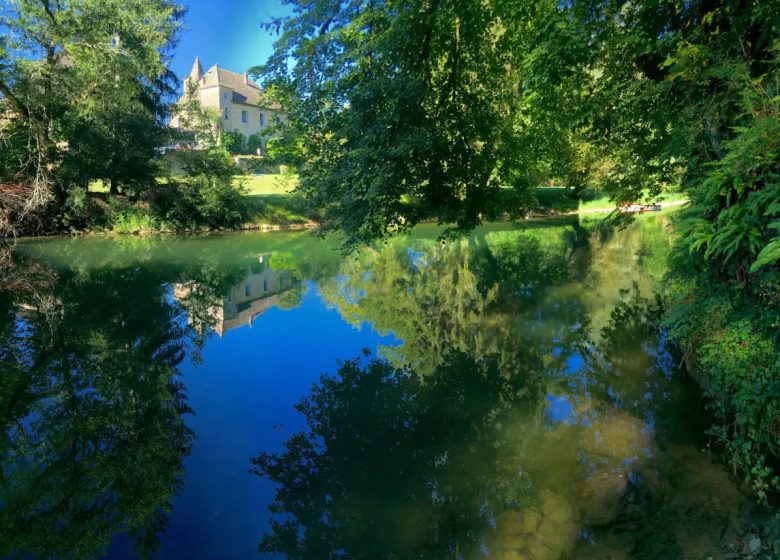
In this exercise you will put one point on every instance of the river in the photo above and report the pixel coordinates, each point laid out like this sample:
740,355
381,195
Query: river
510,395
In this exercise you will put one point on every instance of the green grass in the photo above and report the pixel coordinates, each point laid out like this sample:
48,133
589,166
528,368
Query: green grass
561,200
269,197
268,184
98,186
275,209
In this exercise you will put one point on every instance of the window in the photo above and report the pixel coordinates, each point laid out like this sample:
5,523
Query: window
262,119
244,116
226,114
265,285
246,290
225,95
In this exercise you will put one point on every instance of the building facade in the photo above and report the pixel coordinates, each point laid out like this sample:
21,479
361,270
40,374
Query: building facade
256,293
237,100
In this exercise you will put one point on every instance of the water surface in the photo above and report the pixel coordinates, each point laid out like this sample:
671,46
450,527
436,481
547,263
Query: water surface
506,396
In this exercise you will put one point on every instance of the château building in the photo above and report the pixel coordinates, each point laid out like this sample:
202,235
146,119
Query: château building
237,100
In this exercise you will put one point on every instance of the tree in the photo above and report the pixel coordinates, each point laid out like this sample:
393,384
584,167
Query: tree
84,92
232,141
255,143
403,107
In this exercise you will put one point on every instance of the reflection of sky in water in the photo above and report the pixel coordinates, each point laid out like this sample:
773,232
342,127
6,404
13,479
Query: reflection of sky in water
243,396
559,409
573,363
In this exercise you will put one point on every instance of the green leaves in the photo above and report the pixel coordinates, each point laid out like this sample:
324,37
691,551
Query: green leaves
770,254
86,86
406,110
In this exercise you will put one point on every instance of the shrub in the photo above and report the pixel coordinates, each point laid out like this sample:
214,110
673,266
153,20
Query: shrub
206,198
219,203
133,218
734,339
254,143
81,212
232,141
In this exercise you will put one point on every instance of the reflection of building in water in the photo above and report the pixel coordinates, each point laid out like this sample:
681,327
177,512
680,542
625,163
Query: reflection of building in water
255,294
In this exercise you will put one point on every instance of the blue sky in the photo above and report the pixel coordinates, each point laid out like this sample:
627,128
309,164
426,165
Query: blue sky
245,46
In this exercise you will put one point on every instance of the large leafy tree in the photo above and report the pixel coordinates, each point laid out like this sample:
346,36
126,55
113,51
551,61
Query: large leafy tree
83,85
404,108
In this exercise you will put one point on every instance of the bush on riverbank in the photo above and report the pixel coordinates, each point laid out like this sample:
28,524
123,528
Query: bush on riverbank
725,288
206,197
732,340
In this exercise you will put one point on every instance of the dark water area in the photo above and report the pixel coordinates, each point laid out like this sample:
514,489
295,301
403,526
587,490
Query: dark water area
510,395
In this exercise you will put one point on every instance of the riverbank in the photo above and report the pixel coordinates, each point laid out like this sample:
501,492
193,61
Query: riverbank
562,200
270,203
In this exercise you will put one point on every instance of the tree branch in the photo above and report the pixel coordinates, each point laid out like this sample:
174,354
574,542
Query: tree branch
15,101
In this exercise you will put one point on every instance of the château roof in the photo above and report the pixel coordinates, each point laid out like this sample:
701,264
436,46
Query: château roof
244,90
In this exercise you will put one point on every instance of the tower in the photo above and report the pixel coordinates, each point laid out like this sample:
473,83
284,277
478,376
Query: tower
195,74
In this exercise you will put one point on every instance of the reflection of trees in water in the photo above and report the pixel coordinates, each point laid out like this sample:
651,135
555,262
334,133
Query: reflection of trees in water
464,296
481,295
456,455
91,399
394,465
91,406
634,367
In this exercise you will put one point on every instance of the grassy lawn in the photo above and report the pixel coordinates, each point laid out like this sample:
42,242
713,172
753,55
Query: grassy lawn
268,196
560,199
98,186
271,200
268,184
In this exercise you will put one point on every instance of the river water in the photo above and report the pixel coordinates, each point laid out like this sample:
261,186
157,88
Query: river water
510,395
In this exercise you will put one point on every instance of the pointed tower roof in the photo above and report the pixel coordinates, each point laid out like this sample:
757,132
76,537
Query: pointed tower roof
197,69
